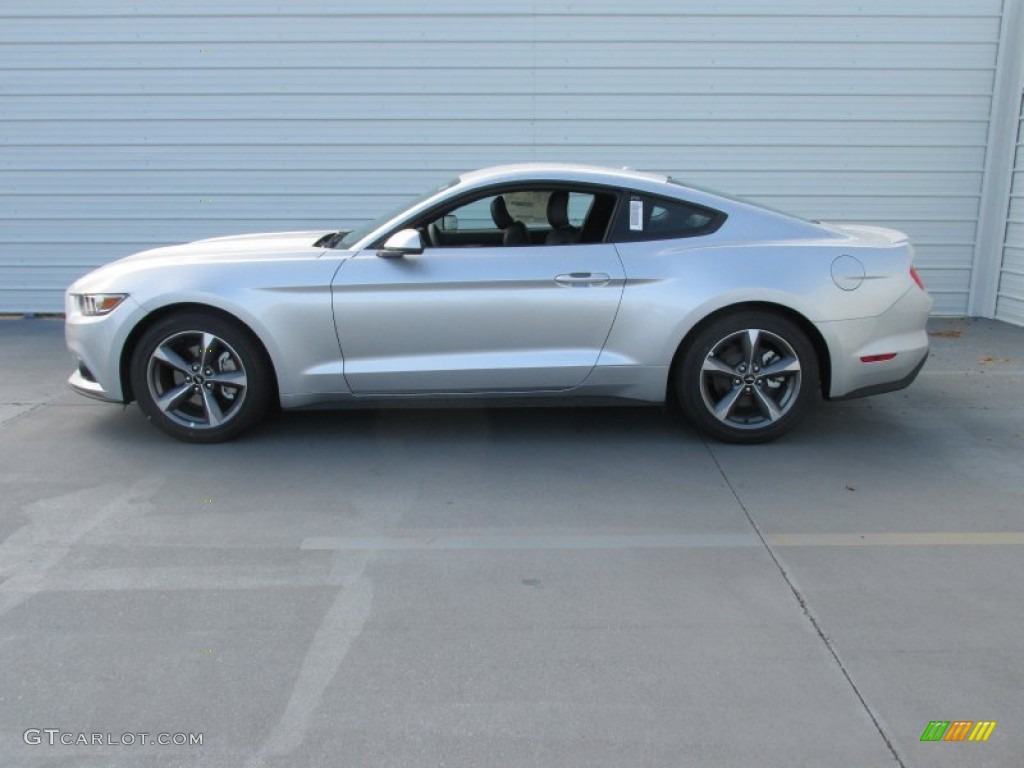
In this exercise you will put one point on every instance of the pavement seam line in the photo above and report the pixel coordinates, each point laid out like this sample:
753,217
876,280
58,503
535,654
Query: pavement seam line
34,407
804,606
340,627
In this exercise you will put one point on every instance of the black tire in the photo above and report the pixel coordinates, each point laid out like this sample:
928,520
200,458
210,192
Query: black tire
724,380
200,377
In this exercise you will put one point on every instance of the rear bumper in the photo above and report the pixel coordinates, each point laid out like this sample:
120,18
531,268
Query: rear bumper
898,331
891,386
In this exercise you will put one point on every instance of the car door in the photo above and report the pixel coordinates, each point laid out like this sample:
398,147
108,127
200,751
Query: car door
468,318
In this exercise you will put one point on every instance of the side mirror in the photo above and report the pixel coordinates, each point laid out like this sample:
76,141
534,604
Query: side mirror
407,242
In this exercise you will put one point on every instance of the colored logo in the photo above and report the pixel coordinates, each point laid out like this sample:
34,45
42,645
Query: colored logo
958,730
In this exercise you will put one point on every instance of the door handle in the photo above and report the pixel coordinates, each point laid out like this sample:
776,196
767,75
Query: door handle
583,280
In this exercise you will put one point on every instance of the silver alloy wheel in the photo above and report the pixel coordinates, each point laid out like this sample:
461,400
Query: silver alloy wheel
750,378
196,379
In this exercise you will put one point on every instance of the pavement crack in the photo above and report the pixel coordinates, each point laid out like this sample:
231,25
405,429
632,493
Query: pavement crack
805,608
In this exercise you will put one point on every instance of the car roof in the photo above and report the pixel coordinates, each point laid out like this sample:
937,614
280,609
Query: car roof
561,172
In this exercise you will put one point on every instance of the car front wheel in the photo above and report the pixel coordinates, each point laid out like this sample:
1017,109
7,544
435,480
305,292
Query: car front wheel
200,377
748,377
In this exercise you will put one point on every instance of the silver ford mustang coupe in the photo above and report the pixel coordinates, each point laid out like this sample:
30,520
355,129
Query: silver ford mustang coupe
531,282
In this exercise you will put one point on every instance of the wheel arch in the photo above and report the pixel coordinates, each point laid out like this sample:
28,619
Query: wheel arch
821,351
128,349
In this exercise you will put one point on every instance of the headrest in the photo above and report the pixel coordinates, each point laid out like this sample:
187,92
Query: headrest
499,212
558,209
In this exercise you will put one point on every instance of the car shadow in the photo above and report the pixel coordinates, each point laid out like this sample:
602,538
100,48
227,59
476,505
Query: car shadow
467,425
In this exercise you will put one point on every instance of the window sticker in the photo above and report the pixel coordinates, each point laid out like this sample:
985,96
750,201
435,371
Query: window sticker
636,215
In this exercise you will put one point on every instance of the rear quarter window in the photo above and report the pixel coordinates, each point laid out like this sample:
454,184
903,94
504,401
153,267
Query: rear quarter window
643,217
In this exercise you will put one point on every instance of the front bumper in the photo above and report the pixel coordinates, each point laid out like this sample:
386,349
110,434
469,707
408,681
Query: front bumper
900,330
85,386
95,344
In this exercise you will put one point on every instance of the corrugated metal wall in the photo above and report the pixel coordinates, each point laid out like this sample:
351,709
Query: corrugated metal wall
1010,299
129,125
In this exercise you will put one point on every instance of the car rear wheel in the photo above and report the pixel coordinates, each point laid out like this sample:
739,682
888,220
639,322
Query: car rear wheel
748,377
200,377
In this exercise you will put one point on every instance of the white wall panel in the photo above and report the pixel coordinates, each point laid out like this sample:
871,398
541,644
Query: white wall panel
353,8
909,189
118,121
844,59
1010,297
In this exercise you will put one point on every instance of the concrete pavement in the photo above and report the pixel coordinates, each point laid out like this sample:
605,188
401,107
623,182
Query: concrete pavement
563,587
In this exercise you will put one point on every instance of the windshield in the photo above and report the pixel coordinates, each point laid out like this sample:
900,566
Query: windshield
357,234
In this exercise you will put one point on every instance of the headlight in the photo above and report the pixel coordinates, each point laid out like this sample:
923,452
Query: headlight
95,304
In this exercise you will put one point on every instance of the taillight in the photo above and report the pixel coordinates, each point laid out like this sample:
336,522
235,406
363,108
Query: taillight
917,278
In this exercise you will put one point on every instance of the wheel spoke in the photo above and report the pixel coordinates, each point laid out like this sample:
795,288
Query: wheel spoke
723,408
172,397
214,415
230,378
783,367
752,345
715,366
165,354
768,406
208,340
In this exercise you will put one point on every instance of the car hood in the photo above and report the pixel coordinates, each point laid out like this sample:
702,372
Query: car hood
236,247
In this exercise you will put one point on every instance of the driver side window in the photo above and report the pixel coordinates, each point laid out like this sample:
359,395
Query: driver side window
521,218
